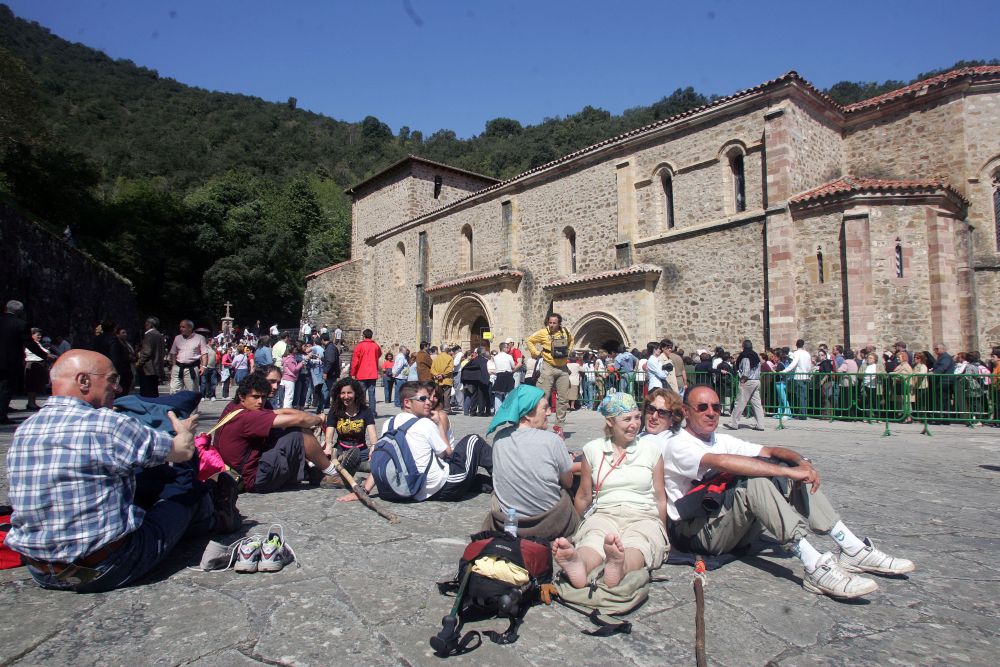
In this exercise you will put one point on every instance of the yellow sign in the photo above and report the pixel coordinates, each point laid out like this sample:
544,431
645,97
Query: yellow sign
487,335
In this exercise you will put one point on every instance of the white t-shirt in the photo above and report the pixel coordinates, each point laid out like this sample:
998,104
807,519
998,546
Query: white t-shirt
504,363
801,363
682,453
425,441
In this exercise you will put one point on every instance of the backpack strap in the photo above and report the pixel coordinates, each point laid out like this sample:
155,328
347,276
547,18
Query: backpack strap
225,420
607,625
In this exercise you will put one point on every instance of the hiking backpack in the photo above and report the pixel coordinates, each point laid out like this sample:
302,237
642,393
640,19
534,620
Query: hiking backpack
498,575
393,467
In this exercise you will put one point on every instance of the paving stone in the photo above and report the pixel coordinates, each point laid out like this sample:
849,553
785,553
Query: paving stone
365,593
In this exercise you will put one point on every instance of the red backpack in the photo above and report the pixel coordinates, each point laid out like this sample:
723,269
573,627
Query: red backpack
480,597
8,557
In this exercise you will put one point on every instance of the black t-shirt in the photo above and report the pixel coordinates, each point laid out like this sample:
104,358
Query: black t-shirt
351,430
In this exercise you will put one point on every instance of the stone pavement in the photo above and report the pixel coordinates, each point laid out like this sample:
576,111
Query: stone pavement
365,593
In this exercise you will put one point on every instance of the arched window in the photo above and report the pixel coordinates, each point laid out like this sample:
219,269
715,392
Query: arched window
400,264
819,264
569,250
467,255
667,181
739,181
898,258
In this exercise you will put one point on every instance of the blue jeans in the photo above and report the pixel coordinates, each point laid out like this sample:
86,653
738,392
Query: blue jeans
398,382
369,386
208,382
781,390
387,386
801,393
184,508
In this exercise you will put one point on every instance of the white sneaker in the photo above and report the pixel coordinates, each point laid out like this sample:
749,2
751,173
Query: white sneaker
829,579
275,553
874,561
248,554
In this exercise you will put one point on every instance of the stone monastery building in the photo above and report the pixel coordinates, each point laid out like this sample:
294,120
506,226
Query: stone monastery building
771,214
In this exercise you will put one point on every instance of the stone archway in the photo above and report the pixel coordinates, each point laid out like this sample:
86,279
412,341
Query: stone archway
465,321
600,331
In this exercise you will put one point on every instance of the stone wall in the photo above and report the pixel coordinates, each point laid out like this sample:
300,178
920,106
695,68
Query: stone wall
915,141
335,297
712,287
64,290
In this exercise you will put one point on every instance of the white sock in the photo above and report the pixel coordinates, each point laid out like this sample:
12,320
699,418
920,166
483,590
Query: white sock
330,470
847,540
807,554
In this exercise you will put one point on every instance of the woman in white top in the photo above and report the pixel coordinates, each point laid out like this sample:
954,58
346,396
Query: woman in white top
622,499
573,366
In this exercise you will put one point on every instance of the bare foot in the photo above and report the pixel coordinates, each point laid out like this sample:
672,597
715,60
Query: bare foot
614,559
348,498
569,560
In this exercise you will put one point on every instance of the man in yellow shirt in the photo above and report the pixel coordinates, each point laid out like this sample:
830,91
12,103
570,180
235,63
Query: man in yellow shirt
552,345
442,368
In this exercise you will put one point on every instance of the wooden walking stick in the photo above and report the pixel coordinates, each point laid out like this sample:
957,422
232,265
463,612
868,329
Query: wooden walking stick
700,657
360,492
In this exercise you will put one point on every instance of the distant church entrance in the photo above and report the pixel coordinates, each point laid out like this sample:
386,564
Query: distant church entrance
600,331
466,321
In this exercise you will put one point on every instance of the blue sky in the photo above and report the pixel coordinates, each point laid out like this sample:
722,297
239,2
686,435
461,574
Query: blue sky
433,64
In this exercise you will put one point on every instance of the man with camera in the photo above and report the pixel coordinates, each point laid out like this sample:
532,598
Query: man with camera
552,346
757,488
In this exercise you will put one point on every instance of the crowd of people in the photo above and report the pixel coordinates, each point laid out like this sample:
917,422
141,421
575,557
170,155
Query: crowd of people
619,505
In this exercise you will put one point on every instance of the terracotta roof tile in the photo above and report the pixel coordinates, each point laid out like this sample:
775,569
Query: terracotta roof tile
330,268
416,158
634,270
852,184
489,276
913,89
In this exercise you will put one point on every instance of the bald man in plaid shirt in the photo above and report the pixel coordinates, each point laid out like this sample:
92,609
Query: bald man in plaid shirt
72,484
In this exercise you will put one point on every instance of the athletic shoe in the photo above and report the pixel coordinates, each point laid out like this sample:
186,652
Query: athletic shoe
874,561
275,554
829,579
248,554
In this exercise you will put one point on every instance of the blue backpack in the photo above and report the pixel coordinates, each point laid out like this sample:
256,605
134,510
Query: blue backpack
392,465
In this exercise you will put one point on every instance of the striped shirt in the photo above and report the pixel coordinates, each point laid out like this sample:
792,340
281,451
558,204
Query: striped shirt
71,469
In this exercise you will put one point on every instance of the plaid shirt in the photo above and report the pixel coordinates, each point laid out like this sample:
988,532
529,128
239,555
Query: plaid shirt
72,478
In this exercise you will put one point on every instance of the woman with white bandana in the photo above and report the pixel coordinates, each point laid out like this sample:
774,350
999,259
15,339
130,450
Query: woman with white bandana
622,499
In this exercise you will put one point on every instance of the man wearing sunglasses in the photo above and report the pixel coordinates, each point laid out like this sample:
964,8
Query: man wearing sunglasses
752,502
453,471
72,470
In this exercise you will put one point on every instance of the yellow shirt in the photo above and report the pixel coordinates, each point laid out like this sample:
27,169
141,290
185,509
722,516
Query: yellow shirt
444,366
541,342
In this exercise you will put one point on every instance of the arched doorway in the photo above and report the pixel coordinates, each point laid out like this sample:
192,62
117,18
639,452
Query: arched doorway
600,331
465,322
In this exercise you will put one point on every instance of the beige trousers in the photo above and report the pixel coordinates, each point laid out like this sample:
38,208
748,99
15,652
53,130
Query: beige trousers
558,377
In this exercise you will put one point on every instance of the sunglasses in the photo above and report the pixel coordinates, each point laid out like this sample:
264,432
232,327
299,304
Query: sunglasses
703,407
660,412
422,399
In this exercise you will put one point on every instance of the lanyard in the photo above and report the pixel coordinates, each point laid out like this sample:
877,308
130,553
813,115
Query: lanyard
600,481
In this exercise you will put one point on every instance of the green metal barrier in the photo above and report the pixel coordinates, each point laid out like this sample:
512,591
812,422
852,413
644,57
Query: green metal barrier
969,399
882,397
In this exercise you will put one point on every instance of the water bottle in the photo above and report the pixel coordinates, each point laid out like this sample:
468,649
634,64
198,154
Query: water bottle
510,524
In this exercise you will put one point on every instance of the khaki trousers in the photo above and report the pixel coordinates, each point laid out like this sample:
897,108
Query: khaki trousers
557,376
749,392
757,507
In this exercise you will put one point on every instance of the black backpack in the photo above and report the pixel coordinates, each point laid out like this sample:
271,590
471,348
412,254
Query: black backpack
478,597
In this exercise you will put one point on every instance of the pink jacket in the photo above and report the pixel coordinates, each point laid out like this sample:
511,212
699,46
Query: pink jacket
290,368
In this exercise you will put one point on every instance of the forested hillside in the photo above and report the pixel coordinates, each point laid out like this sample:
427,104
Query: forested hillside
199,197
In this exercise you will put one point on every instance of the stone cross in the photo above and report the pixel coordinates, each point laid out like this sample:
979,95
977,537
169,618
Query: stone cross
227,305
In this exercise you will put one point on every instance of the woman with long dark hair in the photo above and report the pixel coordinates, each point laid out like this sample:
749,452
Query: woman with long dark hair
350,424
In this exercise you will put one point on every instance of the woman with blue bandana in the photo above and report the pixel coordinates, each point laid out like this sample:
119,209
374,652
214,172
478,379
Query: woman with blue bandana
622,499
532,470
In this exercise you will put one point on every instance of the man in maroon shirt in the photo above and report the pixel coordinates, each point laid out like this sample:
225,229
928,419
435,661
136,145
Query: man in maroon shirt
364,365
269,448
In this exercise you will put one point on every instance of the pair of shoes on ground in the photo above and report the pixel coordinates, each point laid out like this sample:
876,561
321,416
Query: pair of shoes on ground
258,554
838,575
